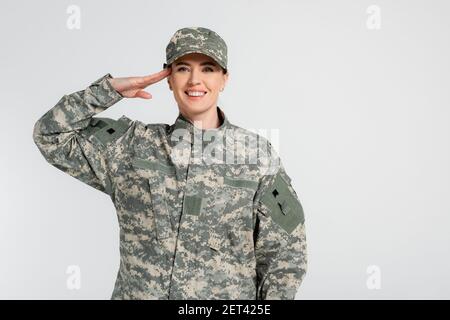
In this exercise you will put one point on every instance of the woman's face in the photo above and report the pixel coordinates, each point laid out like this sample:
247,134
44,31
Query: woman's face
196,72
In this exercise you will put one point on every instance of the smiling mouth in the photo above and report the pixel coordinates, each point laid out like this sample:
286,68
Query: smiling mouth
196,97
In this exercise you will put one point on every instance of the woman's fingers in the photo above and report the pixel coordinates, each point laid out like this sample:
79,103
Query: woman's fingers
143,94
127,86
153,78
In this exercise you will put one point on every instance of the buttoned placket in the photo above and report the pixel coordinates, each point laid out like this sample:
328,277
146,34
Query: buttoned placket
182,173
190,137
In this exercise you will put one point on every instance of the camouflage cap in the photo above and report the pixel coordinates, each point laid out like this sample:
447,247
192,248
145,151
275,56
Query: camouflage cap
196,39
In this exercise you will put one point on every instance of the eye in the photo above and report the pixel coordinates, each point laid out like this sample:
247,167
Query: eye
209,69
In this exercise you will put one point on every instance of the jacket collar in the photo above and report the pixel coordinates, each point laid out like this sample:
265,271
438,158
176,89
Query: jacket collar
184,129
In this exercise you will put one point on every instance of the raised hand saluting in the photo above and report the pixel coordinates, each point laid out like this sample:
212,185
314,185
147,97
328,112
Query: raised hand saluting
132,87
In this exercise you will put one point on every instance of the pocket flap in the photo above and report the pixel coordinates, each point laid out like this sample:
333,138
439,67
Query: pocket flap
154,165
240,183
128,236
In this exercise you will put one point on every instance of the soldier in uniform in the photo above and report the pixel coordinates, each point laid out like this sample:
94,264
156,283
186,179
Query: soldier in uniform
205,208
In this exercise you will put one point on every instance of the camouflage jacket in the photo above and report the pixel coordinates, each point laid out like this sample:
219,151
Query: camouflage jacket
192,226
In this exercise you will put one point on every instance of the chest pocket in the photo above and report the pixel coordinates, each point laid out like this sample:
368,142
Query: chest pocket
240,194
155,171
231,236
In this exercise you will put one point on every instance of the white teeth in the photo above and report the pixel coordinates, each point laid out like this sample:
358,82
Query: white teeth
195,93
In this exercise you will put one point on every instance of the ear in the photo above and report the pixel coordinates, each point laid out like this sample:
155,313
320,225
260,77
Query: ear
170,87
225,79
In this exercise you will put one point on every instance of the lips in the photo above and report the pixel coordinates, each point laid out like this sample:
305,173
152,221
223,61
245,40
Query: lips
195,97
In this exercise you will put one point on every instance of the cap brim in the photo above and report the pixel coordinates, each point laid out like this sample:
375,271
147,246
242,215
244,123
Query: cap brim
183,53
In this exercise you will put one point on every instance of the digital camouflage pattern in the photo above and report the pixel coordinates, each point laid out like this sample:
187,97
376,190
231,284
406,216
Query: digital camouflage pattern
196,39
220,226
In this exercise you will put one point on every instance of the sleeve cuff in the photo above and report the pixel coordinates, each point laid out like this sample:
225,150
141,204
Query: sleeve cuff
105,91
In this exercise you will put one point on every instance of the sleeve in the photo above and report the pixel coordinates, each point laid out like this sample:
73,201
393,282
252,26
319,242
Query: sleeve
72,140
280,240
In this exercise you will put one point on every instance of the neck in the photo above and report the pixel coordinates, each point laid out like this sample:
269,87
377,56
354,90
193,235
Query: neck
205,120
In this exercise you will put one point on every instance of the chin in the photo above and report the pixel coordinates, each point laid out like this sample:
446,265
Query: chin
193,108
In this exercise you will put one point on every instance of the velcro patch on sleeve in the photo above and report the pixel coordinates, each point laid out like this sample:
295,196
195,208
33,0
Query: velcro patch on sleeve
284,206
106,130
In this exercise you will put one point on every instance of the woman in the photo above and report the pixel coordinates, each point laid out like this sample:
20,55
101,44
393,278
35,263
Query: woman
206,210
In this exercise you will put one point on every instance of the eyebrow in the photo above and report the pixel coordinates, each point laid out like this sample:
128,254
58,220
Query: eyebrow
207,63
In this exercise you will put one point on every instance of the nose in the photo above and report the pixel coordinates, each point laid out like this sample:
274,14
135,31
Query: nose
194,79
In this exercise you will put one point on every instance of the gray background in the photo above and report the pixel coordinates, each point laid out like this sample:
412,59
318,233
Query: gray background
364,133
